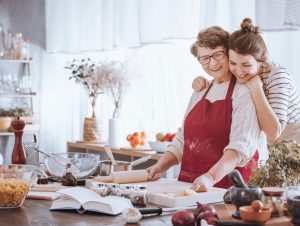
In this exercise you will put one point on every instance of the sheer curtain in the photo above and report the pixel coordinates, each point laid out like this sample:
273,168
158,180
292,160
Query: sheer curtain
154,36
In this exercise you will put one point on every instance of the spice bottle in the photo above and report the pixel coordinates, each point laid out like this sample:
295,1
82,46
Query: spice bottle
138,196
18,153
68,178
18,46
42,177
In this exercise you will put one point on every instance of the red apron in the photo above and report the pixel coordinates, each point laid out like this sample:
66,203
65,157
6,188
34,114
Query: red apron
206,134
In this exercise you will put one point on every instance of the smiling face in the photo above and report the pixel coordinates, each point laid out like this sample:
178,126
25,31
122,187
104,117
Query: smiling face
217,67
244,67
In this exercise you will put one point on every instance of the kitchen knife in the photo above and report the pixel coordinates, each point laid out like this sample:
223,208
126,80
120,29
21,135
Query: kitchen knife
235,223
158,210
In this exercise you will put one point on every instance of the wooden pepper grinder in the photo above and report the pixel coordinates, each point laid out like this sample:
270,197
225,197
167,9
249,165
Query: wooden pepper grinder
18,154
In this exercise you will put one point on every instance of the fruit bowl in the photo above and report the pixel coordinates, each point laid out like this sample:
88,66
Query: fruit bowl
15,182
159,146
83,165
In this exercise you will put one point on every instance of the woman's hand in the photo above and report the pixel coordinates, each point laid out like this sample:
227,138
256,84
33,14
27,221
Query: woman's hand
200,83
154,171
254,83
203,183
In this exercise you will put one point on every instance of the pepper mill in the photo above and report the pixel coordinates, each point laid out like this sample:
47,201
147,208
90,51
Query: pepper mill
18,154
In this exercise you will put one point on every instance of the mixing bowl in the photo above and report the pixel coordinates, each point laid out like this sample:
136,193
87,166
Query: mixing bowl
15,182
83,165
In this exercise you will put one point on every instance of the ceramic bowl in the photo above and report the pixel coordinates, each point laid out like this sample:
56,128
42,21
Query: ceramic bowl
83,165
15,182
159,146
248,214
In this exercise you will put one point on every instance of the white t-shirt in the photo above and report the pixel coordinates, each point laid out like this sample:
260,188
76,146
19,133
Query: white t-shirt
245,131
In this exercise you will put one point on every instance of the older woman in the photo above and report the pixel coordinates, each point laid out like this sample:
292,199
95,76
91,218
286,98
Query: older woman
273,90
215,138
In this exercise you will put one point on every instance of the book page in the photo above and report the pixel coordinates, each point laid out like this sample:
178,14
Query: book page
82,195
65,202
110,204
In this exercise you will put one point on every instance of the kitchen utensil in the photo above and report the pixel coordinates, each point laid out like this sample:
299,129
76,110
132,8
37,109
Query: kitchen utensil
159,210
237,179
243,197
107,167
83,165
236,223
123,177
110,154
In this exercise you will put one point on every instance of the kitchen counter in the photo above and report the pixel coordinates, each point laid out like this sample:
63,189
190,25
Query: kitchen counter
36,212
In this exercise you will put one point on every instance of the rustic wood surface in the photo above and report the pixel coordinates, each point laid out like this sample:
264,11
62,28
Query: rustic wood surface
36,212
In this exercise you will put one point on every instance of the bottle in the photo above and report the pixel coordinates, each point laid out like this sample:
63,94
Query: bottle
68,178
9,46
25,50
42,177
18,154
18,46
138,196
1,43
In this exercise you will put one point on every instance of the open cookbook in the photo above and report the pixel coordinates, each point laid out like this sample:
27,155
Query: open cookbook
82,199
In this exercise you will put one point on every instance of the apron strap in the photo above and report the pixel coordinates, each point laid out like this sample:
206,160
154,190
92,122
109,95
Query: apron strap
231,87
208,89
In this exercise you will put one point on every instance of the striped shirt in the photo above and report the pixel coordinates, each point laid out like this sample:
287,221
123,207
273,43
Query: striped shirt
282,94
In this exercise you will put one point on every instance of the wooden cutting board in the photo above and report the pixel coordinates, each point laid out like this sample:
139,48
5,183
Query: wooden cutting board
162,193
225,212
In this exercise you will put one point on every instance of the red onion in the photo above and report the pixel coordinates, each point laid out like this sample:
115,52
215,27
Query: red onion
183,218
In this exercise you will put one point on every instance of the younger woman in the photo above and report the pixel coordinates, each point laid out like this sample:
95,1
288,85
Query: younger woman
273,90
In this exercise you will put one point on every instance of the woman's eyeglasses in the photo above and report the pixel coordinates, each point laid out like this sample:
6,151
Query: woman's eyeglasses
217,56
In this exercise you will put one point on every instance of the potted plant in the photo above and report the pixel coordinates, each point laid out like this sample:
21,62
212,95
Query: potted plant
281,169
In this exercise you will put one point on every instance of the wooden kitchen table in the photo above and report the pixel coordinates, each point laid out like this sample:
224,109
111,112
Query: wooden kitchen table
36,212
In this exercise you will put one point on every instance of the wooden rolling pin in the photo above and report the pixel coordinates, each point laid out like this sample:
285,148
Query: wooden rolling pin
124,177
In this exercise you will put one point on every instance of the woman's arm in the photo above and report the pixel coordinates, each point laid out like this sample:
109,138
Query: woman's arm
164,163
267,119
225,165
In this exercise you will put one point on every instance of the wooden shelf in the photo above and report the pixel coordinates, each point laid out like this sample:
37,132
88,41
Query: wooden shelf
5,133
15,61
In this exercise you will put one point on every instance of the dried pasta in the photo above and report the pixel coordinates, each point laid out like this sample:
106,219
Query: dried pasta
12,192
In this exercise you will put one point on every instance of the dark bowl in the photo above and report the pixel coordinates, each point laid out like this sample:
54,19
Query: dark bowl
244,197
293,203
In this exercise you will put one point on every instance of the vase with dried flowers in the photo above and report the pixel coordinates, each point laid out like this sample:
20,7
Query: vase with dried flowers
115,83
85,72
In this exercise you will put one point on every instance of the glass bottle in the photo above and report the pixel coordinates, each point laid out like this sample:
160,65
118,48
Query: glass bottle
42,177
9,46
18,153
26,50
138,196
68,178
18,46
1,43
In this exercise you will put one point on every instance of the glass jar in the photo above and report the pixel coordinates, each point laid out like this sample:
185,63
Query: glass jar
273,198
125,191
42,177
18,46
138,196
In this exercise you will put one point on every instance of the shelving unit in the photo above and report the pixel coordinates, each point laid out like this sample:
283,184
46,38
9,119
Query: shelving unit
29,94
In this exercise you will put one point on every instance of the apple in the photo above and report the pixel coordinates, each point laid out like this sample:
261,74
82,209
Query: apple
168,137
160,137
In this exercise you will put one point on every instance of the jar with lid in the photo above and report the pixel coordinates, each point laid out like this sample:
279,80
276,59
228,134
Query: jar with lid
125,191
68,178
42,177
138,196
273,198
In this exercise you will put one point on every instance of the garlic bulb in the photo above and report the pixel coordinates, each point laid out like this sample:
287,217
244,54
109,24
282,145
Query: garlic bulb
131,215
